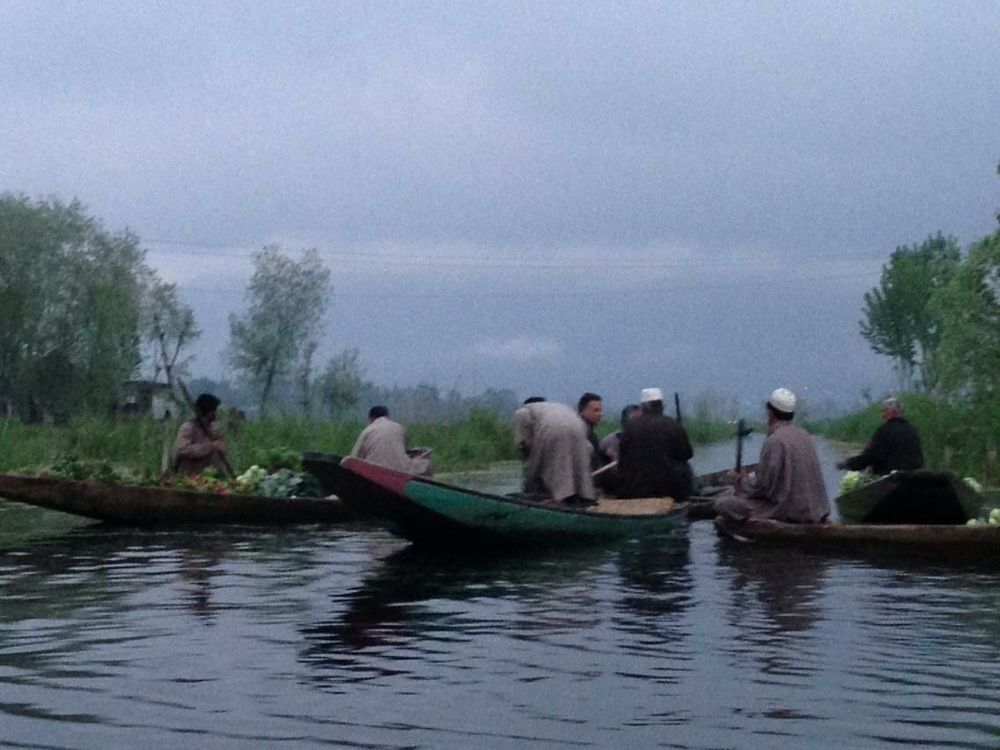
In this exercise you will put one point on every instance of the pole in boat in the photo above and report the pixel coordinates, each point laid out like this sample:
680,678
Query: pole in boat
677,406
741,432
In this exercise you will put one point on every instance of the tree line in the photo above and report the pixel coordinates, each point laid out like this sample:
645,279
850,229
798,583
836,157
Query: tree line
936,313
83,313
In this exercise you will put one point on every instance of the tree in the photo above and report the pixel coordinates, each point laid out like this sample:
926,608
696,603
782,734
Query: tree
286,300
166,326
69,302
968,354
900,321
341,383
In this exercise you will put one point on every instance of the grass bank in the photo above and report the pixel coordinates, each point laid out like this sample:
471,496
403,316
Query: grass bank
139,444
955,437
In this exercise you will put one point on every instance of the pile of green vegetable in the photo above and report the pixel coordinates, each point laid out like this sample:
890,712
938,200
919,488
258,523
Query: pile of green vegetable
278,474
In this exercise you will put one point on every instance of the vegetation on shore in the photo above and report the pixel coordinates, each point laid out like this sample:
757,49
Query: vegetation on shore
139,444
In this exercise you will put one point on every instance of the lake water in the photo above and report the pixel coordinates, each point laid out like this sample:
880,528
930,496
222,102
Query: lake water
311,637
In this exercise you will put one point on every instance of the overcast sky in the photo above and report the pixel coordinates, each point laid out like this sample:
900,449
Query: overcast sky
552,197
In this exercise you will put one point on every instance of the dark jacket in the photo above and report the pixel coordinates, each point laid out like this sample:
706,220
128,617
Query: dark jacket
653,456
895,446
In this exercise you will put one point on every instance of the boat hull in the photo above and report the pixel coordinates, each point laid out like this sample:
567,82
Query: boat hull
146,506
422,509
911,497
979,539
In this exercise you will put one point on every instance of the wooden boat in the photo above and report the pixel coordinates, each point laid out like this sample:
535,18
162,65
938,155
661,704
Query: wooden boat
980,539
911,497
143,506
422,509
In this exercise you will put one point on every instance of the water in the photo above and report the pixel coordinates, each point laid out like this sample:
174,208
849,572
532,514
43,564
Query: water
314,637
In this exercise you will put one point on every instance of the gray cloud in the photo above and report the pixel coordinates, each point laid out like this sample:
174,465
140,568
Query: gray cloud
743,143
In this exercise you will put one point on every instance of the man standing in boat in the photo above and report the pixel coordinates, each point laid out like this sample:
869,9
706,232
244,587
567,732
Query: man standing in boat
653,452
895,446
383,442
788,484
552,440
199,445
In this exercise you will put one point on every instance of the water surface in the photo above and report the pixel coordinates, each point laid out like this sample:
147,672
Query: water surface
312,636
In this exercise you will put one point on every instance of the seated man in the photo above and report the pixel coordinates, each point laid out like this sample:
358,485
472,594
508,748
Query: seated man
199,445
610,444
895,446
654,451
383,442
609,478
788,485
590,409
552,440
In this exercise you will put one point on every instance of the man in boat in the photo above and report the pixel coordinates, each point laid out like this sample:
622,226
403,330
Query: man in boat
654,451
608,478
610,444
383,442
788,484
552,440
591,409
199,445
895,446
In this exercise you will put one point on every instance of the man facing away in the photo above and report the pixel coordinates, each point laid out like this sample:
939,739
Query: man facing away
552,440
199,446
383,442
653,453
895,446
788,484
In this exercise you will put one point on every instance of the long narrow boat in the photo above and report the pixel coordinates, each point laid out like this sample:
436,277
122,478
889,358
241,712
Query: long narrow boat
422,509
911,497
979,539
145,506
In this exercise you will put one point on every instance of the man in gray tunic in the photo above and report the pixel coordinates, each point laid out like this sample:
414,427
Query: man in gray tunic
788,485
553,442
383,442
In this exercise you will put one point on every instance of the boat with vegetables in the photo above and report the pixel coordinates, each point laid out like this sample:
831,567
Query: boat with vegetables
422,509
908,497
104,494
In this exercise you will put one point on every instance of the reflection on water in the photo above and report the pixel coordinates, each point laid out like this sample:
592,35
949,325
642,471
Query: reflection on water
346,636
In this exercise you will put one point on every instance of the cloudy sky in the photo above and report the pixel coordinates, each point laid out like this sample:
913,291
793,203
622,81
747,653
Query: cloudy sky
553,197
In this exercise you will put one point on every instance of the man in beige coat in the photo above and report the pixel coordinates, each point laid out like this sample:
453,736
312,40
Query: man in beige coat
553,442
788,484
383,442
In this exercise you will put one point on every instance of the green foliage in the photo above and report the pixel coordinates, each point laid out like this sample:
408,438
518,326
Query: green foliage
968,355
287,300
72,303
900,320
340,384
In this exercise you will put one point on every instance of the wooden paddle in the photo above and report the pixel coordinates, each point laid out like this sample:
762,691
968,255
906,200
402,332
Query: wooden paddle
741,432
604,468
677,407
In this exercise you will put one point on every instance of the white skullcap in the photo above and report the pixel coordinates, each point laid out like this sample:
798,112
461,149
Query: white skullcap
782,399
650,394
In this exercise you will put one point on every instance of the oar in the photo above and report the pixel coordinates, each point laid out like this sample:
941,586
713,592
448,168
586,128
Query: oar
677,407
604,468
741,432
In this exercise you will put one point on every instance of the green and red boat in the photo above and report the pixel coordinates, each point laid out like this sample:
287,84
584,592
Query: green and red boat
422,509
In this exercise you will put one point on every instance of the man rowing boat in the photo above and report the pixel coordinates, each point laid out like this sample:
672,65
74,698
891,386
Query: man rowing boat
199,446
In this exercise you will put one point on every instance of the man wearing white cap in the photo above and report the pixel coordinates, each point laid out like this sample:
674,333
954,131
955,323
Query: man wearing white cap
788,484
654,452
